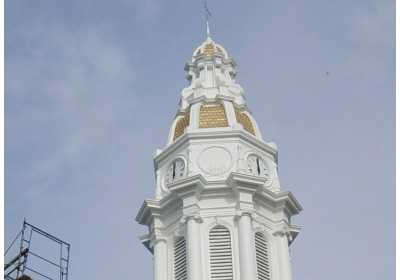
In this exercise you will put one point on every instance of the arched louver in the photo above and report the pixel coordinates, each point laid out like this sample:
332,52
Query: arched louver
262,250
220,254
180,259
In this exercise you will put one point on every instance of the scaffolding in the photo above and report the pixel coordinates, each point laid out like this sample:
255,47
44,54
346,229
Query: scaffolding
29,262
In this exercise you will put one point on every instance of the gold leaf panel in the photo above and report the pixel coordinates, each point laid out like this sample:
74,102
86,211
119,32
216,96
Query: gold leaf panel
212,115
209,49
180,126
244,120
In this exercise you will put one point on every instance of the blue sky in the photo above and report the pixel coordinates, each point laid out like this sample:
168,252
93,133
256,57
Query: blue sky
92,87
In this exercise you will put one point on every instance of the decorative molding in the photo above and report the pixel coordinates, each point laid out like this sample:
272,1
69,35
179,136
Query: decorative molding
280,201
180,229
215,160
192,185
281,233
215,135
197,218
154,242
288,230
241,162
241,213
247,182
156,236
190,168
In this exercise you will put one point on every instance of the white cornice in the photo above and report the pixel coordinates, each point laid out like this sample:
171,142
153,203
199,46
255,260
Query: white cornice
251,183
203,98
152,208
214,135
282,200
294,231
198,186
285,201
187,186
156,207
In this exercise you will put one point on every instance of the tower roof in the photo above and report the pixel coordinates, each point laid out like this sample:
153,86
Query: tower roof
208,49
213,99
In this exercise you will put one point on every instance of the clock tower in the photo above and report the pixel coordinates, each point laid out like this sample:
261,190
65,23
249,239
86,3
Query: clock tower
219,211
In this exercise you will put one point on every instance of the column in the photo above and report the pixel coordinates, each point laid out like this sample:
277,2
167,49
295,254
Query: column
160,259
284,257
193,246
247,255
194,117
230,115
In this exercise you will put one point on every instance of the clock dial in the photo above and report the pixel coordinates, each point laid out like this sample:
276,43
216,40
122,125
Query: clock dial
257,166
176,170
179,169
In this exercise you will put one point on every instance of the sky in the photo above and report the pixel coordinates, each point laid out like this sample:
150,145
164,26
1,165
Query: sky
91,89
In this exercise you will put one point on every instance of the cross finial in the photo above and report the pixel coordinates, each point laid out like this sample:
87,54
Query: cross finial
208,15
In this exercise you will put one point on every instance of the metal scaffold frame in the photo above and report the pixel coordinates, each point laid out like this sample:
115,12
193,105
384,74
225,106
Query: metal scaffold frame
18,265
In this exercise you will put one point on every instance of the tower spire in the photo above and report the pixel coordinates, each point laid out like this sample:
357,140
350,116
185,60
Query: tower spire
208,15
208,29
218,209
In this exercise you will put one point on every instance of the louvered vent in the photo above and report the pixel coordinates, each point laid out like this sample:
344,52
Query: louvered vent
180,259
263,267
220,254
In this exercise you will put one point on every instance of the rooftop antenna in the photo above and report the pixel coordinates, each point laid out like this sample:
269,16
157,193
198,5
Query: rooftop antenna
208,15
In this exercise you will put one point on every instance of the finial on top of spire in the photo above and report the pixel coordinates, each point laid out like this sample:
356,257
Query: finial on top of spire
208,15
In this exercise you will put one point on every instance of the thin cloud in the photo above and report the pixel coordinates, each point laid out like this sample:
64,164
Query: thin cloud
65,86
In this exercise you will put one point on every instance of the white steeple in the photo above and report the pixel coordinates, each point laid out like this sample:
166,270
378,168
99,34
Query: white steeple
219,211
211,73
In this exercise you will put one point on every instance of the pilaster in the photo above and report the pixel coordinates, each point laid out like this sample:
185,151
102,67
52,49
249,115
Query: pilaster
247,258
158,244
194,259
282,241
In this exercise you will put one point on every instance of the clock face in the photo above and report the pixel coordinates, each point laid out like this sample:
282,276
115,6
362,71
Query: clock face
176,170
257,166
